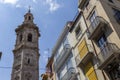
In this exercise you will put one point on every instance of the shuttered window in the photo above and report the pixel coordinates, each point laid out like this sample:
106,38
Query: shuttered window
89,72
82,48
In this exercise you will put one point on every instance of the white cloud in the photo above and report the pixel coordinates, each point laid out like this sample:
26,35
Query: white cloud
34,1
9,1
53,5
18,6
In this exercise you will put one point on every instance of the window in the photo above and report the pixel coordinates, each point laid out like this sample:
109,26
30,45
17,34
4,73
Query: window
82,48
29,37
21,37
117,15
78,30
28,60
110,1
25,18
93,19
90,71
29,18
101,41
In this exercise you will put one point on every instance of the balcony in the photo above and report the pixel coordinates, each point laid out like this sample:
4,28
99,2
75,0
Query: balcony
85,54
107,54
62,57
97,27
70,74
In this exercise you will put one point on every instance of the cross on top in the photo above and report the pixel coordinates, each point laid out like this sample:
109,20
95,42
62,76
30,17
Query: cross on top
29,9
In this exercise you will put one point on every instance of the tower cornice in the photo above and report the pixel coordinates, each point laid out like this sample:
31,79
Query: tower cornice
23,26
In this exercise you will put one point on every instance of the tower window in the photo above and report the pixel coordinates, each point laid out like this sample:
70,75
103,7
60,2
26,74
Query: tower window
29,18
29,37
25,18
21,37
28,60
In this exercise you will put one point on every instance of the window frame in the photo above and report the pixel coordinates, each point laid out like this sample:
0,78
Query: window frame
101,38
78,30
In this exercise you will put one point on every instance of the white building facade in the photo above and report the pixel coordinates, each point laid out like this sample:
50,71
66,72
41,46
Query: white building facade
64,62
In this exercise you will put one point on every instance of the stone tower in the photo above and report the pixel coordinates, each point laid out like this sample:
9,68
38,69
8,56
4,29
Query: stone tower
26,52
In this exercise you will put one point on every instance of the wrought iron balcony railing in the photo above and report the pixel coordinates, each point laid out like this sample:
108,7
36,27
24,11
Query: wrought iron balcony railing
109,51
97,27
62,57
70,74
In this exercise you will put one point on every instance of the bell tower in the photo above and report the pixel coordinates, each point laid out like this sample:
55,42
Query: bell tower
26,51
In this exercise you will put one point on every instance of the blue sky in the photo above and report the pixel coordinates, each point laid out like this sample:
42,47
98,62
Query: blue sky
49,15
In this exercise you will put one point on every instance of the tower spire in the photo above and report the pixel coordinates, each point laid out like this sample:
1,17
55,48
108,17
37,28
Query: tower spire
28,17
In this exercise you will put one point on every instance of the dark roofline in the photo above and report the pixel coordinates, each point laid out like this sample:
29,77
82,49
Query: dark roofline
75,20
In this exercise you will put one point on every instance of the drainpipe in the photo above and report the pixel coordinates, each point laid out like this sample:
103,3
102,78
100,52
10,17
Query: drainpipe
92,42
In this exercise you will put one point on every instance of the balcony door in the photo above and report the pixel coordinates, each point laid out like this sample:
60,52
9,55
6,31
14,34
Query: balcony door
102,45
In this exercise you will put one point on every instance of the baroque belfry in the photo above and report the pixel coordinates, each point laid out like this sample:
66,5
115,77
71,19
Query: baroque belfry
26,51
